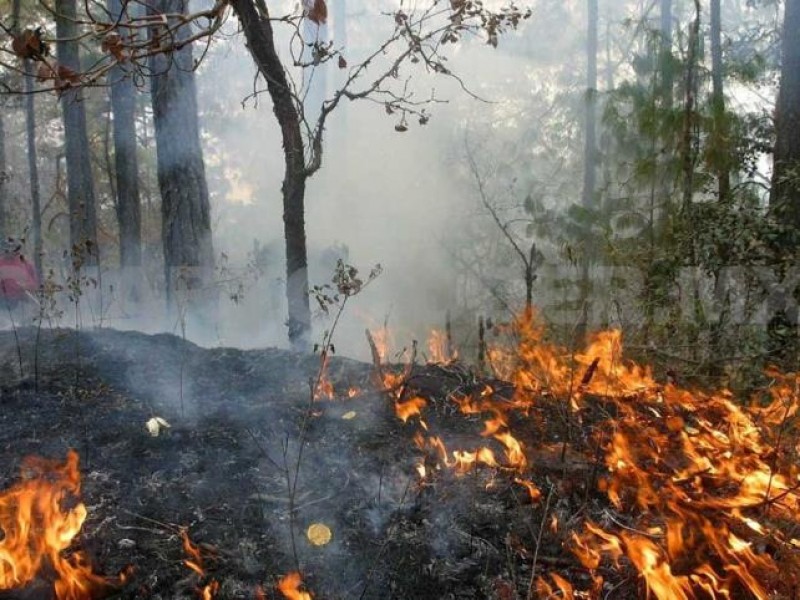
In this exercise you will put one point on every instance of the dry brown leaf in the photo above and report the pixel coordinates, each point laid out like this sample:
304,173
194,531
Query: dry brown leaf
29,44
319,12
44,72
67,74
112,43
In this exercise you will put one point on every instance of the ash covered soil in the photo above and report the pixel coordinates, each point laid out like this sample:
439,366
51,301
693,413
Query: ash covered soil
237,418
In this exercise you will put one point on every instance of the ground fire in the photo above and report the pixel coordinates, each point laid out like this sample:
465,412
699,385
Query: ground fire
40,517
700,489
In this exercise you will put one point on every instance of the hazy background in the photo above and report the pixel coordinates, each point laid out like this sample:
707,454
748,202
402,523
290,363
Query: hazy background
408,201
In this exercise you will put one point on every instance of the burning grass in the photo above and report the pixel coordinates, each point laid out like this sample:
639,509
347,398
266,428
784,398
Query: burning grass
40,516
563,475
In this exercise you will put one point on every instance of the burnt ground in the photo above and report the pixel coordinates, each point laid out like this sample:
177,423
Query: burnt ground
220,471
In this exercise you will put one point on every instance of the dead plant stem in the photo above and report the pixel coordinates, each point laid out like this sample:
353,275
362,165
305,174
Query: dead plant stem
542,525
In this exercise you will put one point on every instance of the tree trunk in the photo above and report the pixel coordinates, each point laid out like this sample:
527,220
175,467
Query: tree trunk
721,137
185,209
687,140
589,156
785,193
688,156
785,196
123,105
4,175
661,185
258,32
33,166
3,180
30,135
666,53
720,161
80,184
590,133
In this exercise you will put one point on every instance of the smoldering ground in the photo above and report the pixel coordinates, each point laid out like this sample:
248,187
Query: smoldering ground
238,420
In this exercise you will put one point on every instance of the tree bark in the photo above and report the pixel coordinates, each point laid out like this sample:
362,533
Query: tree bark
3,180
784,202
785,196
30,135
590,133
185,209
687,140
4,175
80,184
589,155
33,167
261,43
721,137
128,204
667,78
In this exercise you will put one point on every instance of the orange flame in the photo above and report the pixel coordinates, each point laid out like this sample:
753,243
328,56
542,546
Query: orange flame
409,408
289,586
562,589
702,480
439,351
40,517
323,389
195,563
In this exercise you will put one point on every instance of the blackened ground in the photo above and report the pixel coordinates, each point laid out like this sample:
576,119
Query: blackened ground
221,471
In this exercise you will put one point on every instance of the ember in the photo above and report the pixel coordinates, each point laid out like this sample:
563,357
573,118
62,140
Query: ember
289,586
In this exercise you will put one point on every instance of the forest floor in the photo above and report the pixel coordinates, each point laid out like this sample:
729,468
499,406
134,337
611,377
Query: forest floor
406,481
220,471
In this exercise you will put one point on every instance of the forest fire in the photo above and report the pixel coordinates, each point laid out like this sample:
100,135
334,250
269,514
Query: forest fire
40,517
175,273
696,492
703,494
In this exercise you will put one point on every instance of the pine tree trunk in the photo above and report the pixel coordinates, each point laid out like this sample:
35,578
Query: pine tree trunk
3,179
123,105
667,78
721,162
784,345
258,32
661,186
30,135
185,209
80,184
589,156
590,133
33,166
785,196
721,142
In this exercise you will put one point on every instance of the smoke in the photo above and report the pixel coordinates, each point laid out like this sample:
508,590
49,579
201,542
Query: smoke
397,199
